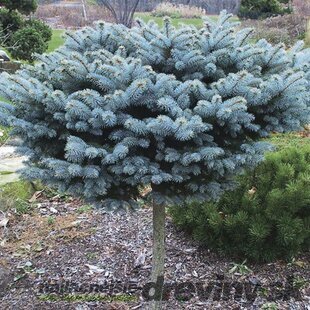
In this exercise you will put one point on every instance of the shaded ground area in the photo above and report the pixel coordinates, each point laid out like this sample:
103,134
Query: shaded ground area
63,241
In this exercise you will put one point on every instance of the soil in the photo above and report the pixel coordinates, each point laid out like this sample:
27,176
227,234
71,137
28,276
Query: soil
63,242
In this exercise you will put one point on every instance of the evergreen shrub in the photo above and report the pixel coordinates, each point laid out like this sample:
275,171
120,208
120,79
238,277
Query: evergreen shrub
266,217
26,42
255,9
43,29
181,110
23,37
10,21
25,7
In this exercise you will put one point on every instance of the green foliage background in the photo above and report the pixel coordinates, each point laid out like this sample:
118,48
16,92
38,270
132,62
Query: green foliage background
262,8
24,36
266,217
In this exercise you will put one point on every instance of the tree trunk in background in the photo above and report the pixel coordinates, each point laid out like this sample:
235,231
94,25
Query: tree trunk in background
158,264
84,11
122,10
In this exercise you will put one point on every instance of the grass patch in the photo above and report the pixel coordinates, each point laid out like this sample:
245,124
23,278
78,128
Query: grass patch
84,209
6,172
282,141
307,38
51,220
56,41
197,22
4,131
16,195
4,134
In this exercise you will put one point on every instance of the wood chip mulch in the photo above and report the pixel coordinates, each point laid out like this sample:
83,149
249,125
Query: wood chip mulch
65,242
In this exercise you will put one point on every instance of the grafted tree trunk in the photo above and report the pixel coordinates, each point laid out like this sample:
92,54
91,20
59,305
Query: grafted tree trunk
157,276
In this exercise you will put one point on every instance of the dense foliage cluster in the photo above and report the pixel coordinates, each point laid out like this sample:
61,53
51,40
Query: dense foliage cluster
180,109
24,37
23,6
263,8
266,217
28,42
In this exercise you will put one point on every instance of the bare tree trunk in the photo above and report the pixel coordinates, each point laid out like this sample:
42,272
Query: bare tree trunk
122,10
84,11
158,263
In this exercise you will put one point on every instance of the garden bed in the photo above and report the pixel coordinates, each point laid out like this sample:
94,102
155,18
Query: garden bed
63,240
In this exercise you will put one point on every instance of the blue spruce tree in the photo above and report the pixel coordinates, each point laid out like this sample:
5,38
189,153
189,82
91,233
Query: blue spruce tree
181,110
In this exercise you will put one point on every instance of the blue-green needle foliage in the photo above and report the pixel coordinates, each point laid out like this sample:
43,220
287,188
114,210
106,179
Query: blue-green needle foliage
181,109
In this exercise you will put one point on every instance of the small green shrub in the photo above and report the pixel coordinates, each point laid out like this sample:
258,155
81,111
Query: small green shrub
242,268
255,9
266,217
22,207
26,42
23,6
43,29
282,141
23,37
50,220
10,21
84,209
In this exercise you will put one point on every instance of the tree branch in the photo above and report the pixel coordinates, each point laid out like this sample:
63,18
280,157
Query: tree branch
121,10
133,12
108,5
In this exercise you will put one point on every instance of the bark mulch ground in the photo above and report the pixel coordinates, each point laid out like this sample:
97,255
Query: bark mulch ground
63,244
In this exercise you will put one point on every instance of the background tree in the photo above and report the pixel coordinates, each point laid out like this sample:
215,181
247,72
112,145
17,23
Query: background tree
121,10
24,36
262,8
10,21
28,41
179,110
3,37
23,6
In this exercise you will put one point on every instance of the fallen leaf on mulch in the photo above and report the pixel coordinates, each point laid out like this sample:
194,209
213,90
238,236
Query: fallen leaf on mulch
35,196
3,221
94,269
